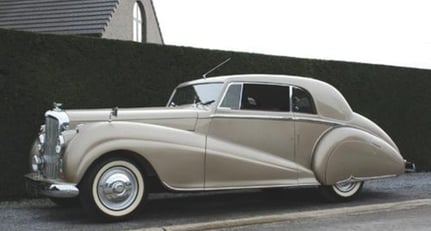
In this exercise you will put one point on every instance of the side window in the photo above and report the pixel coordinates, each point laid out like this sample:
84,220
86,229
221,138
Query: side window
232,98
302,101
265,97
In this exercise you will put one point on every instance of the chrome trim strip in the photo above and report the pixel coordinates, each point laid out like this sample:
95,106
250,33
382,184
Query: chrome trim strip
240,187
287,117
319,120
264,186
235,116
357,179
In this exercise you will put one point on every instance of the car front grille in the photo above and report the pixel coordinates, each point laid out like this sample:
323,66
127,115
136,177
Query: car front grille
50,156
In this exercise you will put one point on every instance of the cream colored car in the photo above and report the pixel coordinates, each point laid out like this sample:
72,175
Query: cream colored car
229,132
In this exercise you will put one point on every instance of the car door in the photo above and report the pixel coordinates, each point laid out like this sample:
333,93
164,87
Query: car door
250,141
309,127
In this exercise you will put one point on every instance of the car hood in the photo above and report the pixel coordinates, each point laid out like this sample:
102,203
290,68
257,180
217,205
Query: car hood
183,118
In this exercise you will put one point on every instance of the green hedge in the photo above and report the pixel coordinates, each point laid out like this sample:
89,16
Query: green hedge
36,70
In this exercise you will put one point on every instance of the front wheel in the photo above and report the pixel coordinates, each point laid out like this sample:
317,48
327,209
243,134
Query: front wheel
113,189
342,191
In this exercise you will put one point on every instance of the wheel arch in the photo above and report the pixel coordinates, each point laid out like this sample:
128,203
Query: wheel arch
142,163
166,152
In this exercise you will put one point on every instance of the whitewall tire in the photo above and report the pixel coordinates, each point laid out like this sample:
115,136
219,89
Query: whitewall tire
113,189
342,191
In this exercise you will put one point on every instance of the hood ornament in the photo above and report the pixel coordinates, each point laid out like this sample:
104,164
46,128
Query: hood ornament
57,107
114,112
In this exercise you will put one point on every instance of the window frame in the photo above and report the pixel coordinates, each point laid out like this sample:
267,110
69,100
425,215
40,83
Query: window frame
171,97
291,88
313,105
225,93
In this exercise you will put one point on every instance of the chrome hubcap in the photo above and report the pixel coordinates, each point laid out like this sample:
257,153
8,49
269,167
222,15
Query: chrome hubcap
346,187
117,188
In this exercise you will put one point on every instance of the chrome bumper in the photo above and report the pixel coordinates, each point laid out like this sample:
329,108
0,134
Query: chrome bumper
38,185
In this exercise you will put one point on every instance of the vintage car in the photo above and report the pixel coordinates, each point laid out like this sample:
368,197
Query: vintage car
219,133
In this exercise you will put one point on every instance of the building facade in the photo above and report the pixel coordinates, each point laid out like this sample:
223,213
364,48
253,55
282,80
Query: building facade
130,20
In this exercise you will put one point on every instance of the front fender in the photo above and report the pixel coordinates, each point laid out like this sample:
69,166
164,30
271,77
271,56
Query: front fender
176,155
346,152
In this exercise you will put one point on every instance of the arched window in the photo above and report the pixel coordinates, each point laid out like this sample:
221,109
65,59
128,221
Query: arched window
137,23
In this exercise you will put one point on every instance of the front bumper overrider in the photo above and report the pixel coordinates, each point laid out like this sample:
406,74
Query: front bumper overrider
38,185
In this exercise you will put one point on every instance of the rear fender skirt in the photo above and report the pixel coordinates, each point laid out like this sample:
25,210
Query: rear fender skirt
350,153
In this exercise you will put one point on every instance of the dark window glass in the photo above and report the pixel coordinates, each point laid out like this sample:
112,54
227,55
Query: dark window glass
265,97
232,97
302,101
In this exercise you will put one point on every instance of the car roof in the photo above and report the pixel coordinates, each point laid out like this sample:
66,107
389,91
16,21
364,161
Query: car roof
329,101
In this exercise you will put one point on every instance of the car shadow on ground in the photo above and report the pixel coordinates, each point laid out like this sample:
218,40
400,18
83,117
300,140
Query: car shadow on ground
238,204
179,208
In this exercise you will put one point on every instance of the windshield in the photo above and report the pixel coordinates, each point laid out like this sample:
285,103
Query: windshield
205,94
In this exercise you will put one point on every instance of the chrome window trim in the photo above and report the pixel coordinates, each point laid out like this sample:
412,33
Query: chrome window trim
290,98
181,86
312,100
240,96
225,93
170,98
256,83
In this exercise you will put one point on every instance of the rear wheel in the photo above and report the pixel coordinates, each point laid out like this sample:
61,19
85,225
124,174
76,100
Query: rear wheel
342,191
113,189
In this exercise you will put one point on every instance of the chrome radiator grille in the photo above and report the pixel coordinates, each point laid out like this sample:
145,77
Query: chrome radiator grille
50,155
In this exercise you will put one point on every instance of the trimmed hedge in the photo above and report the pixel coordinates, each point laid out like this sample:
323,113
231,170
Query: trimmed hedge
36,70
